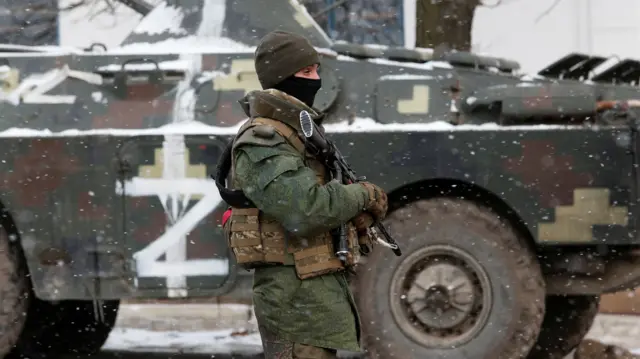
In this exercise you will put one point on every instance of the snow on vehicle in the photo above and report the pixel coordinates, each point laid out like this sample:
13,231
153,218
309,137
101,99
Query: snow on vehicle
512,196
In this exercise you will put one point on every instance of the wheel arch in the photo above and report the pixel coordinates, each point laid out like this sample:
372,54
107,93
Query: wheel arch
455,188
11,227
46,319
7,222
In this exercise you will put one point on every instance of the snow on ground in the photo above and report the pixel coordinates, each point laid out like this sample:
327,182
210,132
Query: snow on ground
187,328
187,317
622,330
207,328
196,342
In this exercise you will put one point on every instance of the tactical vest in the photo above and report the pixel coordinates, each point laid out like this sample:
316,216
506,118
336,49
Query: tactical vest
258,240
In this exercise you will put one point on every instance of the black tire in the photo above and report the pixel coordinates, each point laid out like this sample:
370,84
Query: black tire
30,327
566,322
515,289
67,327
84,334
14,293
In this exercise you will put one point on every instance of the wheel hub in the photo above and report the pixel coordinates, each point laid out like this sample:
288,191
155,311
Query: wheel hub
441,296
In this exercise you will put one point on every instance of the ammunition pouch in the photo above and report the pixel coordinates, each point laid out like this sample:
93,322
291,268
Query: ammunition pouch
257,240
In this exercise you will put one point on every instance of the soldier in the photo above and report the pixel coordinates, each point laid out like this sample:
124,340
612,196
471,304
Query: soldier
301,297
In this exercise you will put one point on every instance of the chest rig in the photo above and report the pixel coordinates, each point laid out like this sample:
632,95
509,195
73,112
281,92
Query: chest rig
257,240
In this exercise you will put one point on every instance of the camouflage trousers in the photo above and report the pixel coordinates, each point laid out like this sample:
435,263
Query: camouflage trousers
278,348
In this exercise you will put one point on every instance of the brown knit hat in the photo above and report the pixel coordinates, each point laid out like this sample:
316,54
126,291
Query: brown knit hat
281,54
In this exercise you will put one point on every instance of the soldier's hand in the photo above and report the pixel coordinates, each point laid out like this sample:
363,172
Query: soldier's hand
363,221
377,205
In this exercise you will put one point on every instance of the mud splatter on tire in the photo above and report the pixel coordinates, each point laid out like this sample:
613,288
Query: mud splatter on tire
516,286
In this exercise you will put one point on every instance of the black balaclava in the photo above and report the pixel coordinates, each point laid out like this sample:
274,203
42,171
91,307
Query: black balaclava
301,88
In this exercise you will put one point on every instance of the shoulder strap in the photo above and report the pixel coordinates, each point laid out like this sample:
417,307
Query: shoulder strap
286,131
236,198
233,197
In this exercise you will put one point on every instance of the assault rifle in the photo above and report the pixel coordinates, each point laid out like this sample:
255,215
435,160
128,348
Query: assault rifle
322,148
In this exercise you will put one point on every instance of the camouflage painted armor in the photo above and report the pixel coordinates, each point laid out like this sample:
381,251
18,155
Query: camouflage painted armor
291,229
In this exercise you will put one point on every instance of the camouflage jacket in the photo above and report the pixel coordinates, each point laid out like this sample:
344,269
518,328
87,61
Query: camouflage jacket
319,311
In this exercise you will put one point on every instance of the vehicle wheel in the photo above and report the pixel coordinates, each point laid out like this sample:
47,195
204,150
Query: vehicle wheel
84,333
566,321
67,327
467,287
14,293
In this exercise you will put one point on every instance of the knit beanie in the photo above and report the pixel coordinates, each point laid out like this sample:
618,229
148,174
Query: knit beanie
281,54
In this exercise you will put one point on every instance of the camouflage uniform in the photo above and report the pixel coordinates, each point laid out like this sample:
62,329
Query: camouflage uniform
314,316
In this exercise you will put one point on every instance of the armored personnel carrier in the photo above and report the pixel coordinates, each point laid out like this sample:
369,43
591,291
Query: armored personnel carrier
513,197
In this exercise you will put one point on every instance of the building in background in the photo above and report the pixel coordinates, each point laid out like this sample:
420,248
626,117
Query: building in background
538,32
533,32
360,21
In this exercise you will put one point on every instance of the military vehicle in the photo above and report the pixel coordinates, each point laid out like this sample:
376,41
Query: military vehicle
512,196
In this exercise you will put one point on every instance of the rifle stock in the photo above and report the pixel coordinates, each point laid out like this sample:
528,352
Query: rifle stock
320,146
